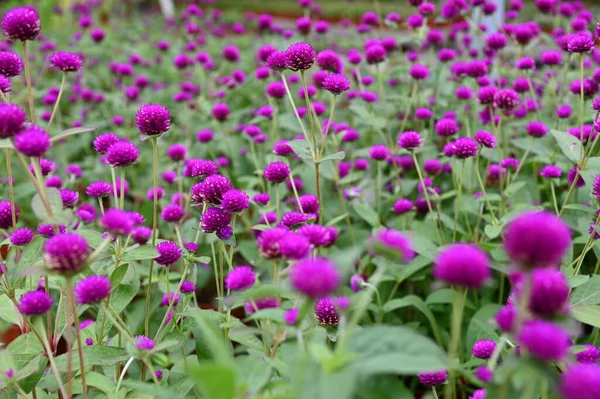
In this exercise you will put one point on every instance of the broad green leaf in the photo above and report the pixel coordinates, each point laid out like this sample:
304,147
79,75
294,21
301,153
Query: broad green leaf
443,296
587,293
25,343
117,276
95,355
337,219
8,312
6,144
212,336
367,213
394,350
253,372
318,384
492,231
301,148
70,132
513,188
416,302
99,381
215,381
424,246
31,253
123,294
148,388
272,314
587,314
93,238
140,253
382,387
576,281
569,145
331,157
54,201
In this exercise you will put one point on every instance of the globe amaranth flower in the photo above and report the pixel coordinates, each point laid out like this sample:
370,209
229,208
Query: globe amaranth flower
276,172
294,246
446,127
433,378
69,198
375,54
117,222
172,213
544,340
214,219
536,129
240,278
234,201
464,265
22,236
153,119
308,203
479,394
484,348
32,142
326,312
104,141
464,147
506,99
268,242
537,239
170,298
98,189
315,278
485,138
168,253
35,302
410,140
141,235
580,381
92,289
261,303
66,62
6,214
290,317
122,153
293,219
300,56
11,64
590,354
12,118
66,253
277,61
336,83
394,241
22,23
220,111
580,43
144,343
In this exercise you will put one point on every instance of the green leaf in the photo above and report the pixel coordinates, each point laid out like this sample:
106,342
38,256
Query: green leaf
140,253
587,314
93,238
336,219
117,276
99,381
331,157
301,148
382,387
54,200
395,350
95,355
424,246
272,314
576,281
8,312
569,145
212,335
215,381
443,296
581,208
123,294
416,302
149,389
6,144
367,213
513,188
25,343
31,253
70,132
492,231
587,294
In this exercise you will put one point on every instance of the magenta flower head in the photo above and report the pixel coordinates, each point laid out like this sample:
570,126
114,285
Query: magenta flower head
268,242
92,289
214,219
69,198
485,138
240,278
484,348
537,239
22,236
294,246
433,378
211,190
465,147
300,56
580,43
172,213
234,201
419,72
464,265
551,172
392,241
326,312
336,83
410,140
66,62
276,172
402,206
231,53
549,292
177,152
35,302
315,278
581,381
277,61
187,287
103,142
122,153
536,129
168,253
117,222
220,111
153,119
22,23
590,355
506,99
144,343
141,235
12,118
32,142
11,64
98,189
66,253
544,340
261,303
375,54
446,127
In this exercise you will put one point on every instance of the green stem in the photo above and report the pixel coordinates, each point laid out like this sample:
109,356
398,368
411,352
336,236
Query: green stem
331,112
422,183
28,80
582,104
291,99
523,159
123,188
154,234
60,92
73,307
457,207
482,186
458,305
554,197
11,190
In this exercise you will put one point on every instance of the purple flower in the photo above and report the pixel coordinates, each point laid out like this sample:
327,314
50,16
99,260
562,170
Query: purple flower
69,198
544,340
98,189
315,278
12,118
117,222
268,242
336,83
549,292
103,142
66,253
356,281
506,99
484,348
375,54
536,129
187,287
168,253
410,140
537,239
485,138
66,62
177,152
300,56
22,23
144,343
291,316
32,142
234,201
294,246
261,303
170,298
201,168
484,374
240,278
393,240
153,119
462,264
224,233
141,235
276,172
214,219
220,111
92,289
6,214
277,61
172,213
580,43
574,174
211,190
581,381
21,237
122,153
35,302
433,378
11,64
326,313
479,394
446,127
464,147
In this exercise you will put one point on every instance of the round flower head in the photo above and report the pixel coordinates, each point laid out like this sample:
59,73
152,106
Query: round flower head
433,378
394,241
22,236
315,278
446,127
550,172
536,129
462,264
410,140
465,147
170,298
141,235
103,142
506,99
300,56
375,54
153,119
276,172
187,287
98,189
117,222
211,190
537,239
479,394
293,219
581,381
240,278
69,198
268,242
35,302
277,61
144,343
172,213
403,206
66,253
549,292
12,118
220,111
590,355
261,303
485,138
201,168
22,23
419,72
214,219
66,62
6,214
168,253
11,64
580,43
336,83
234,201
262,198
294,246
177,152
32,142
122,153
92,289
484,348
326,312
544,340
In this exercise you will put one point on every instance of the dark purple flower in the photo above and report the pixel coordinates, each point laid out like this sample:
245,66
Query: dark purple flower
300,56
98,189
276,172
66,62
92,289
153,119
326,312
12,118
66,253
11,64
462,264
315,278
32,142
214,219
168,253
122,153
22,236
22,23
336,83
544,340
35,302
433,378
240,278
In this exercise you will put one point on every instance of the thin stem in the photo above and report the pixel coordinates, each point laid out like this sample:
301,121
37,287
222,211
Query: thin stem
457,208
554,197
114,181
123,188
482,186
291,99
123,373
71,303
582,104
28,80
331,112
11,190
522,161
69,291
60,92
458,305
154,233
422,183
